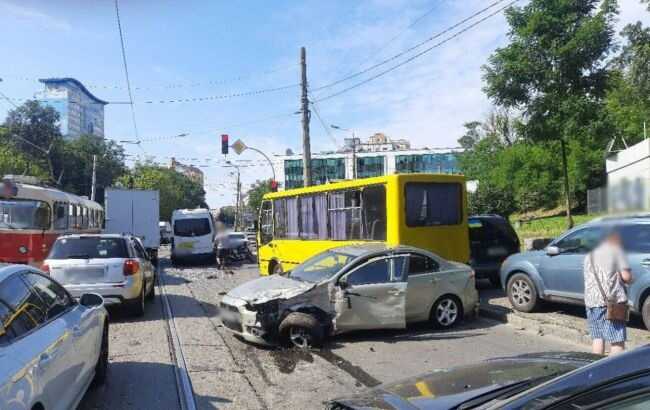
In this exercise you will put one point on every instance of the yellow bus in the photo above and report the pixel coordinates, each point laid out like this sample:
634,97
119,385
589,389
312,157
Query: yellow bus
428,211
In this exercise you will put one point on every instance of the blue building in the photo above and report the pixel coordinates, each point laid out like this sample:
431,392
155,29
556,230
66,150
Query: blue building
81,112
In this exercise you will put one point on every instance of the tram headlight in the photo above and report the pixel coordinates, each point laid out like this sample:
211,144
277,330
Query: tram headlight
23,249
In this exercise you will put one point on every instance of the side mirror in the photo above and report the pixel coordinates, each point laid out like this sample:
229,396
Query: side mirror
91,300
552,250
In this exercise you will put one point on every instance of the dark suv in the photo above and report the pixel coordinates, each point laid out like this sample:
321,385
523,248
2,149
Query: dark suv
492,240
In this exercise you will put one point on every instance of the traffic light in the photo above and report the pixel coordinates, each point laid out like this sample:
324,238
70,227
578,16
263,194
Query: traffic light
274,185
224,144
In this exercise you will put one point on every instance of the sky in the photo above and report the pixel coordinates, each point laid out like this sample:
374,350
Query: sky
198,49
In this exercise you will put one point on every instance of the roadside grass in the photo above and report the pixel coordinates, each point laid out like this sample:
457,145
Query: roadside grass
550,227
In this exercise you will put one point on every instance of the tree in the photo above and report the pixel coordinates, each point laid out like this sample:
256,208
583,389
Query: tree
15,162
80,151
473,134
255,194
177,191
227,215
554,71
33,130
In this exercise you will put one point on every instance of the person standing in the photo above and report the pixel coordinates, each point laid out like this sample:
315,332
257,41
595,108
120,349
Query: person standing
606,271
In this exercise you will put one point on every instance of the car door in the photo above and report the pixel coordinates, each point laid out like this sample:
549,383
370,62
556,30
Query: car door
44,345
80,322
145,264
563,273
371,296
422,288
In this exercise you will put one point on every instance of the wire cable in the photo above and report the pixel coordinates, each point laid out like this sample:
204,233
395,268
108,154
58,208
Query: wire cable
418,55
126,69
408,50
222,97
323,124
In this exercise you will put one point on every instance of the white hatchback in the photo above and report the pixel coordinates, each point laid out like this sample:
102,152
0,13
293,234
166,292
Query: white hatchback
51,347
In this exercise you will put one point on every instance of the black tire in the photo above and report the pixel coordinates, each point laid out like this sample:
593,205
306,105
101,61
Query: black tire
101,368
277,269
522,293
495,280
301,330
137,306
152,293
446,312
645,312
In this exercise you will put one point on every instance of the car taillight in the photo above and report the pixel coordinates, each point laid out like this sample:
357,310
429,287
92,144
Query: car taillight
45,268
131,267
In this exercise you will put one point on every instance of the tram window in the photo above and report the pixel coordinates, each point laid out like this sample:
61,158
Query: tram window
60,215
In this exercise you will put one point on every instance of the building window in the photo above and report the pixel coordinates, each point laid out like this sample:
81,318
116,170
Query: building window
370,166
322,171
293,173
444,163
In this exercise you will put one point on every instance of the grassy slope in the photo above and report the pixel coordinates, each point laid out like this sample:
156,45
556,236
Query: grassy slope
547,227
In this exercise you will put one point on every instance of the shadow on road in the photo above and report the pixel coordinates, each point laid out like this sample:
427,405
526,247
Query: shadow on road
153,311
141,385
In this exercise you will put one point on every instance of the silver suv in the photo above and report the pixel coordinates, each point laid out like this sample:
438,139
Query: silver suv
114,266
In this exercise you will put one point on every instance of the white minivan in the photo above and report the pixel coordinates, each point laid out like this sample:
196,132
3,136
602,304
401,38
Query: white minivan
193,235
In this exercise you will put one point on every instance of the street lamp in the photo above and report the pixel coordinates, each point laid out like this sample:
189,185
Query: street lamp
354,148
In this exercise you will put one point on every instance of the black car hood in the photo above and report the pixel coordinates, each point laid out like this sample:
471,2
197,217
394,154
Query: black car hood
445,389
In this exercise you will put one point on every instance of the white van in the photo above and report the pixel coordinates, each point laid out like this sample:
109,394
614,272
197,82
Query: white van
193,234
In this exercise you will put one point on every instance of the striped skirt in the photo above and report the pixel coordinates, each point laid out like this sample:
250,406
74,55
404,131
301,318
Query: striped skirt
601,328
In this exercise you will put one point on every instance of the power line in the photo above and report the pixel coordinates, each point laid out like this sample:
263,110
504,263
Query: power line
221,97
322,123
420,54
126,68
408,50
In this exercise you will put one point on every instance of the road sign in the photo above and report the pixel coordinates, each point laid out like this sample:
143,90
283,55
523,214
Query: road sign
239,146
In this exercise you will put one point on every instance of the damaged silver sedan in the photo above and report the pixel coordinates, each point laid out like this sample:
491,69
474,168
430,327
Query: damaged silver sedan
371,286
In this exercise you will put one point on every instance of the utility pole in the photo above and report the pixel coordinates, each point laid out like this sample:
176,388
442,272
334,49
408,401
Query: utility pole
238,210
354,156
93,187
306,148
566,185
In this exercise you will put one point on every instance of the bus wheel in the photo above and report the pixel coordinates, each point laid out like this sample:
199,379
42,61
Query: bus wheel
277,269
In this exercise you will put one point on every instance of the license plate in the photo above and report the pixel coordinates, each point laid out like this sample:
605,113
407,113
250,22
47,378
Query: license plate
186,245
497,251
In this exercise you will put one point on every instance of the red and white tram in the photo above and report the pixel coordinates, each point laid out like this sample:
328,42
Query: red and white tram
33,216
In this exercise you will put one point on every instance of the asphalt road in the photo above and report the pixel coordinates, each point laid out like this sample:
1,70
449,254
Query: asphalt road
228,373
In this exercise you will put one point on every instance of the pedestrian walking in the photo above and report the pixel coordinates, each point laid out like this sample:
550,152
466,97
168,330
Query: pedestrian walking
606,271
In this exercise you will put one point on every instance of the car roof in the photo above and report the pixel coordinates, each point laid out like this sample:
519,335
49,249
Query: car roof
9,269
371,248
96,235
623,218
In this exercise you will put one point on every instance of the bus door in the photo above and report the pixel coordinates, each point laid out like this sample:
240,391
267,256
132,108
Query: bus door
266,249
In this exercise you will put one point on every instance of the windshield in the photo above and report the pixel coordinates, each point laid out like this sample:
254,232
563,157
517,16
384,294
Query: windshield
192,227
89,248
24,214
321,267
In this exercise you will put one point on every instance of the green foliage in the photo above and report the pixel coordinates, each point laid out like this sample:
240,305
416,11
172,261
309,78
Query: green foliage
255,194
227,215
176,190
12,161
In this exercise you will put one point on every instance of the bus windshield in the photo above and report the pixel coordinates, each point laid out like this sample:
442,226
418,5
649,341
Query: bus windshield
24,214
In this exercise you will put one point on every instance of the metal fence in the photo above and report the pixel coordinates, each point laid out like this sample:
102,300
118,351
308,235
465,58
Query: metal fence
597,200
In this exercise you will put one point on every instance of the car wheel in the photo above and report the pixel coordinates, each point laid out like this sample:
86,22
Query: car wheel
446,312
522,293
495,280
137,307
301,330
277,269
101,368
645,312
152,293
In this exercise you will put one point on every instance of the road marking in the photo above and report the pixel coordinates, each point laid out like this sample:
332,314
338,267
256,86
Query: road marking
183,382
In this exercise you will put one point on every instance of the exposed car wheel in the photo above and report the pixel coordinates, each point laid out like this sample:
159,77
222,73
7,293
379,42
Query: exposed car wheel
645,312
137,306
301,330
101,368
522,293
277,269
495,280
446,312
152,293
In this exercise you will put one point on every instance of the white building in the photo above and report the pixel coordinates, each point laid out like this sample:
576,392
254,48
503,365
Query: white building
628,178
81,112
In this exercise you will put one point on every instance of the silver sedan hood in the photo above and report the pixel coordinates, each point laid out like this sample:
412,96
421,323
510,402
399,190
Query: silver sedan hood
267,288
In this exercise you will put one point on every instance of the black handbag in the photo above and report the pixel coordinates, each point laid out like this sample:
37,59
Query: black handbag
617,312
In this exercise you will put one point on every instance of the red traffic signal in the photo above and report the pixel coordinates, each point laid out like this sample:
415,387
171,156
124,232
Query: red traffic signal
224,144
274,185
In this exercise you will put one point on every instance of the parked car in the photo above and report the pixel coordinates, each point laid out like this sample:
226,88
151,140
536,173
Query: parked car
233,247
556,273
114,266
194,234
165,232
492,239
532,381
51,347
370,286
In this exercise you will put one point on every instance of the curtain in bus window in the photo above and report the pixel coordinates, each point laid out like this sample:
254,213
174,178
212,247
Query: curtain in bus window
307,218
337,216
60,215
433,204
280,214
374,213
293,231
320,209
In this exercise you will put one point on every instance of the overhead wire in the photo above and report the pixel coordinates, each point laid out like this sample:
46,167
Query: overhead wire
412,48
418,55
126,69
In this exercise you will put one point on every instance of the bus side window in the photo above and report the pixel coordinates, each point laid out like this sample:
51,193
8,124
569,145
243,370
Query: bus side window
60,216
266,222
374,213
344,209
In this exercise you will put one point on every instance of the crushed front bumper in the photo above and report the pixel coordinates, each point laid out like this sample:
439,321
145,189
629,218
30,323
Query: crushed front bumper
236,316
